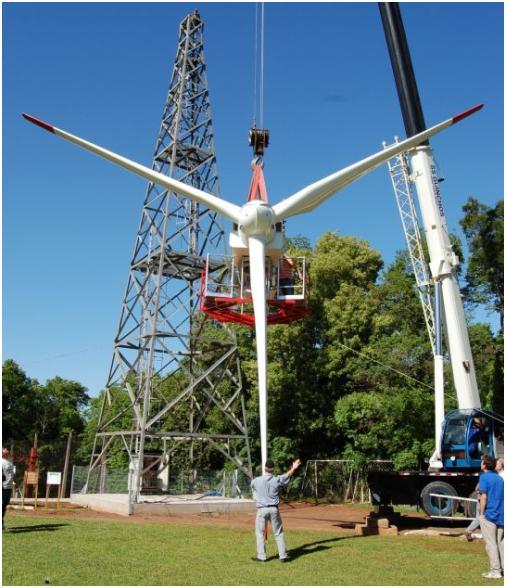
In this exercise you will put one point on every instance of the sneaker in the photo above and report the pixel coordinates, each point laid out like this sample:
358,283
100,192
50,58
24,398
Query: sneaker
492,575
257,559
469,536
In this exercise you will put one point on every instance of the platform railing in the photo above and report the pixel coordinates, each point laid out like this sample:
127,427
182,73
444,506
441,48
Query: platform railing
227,278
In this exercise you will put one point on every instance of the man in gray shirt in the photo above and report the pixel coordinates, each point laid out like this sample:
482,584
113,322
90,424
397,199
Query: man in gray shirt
266,494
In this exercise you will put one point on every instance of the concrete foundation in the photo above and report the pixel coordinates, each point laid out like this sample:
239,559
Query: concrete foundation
163,505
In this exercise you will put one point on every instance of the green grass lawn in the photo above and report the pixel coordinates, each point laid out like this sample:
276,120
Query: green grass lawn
91,552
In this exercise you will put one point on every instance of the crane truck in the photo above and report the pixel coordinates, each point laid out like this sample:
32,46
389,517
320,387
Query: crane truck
464,435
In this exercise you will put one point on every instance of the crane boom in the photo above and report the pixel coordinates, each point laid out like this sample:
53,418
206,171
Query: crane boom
443,265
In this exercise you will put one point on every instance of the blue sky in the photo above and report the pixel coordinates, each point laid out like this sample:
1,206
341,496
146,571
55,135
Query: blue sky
101,71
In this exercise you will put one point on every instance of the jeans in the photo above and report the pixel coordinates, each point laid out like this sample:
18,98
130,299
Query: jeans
265,514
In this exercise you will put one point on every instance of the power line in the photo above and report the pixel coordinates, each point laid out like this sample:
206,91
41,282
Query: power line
60,355
388,367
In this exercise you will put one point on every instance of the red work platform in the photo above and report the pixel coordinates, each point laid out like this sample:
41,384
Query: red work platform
240,310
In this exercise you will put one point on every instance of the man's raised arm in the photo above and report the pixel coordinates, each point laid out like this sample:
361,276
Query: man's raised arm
294,467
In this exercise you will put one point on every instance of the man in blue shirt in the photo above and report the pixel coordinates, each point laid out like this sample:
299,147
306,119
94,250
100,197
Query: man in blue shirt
266,490
492,515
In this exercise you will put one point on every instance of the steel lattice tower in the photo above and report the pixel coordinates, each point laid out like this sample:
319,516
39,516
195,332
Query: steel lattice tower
174,386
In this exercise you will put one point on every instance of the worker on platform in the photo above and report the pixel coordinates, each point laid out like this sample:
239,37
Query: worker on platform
289,276
266,491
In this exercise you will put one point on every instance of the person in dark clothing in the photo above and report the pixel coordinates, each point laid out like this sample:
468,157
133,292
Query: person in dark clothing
474,438
7,483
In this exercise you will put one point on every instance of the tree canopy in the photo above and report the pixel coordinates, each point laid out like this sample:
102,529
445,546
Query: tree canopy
484,230
49,411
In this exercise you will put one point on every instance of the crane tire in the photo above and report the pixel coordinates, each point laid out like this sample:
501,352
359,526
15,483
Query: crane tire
439,506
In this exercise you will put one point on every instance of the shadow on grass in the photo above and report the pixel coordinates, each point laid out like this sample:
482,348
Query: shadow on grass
310,548
36,528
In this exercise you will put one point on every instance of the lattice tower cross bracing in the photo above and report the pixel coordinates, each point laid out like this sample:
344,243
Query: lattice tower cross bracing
175,380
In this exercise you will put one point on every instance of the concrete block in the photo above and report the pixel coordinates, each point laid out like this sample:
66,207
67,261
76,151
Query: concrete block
393,530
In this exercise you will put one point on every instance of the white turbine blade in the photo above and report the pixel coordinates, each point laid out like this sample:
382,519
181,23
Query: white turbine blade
314,194
257,277
227,209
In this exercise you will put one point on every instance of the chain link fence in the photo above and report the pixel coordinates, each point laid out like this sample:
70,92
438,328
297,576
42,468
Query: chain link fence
326,480
229,484
104,481
336,480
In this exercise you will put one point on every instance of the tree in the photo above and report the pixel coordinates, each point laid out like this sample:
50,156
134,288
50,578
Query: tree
60,409
18,406
484,231
51,411
338,260
398,351
344,271
380,425
487,350
388,413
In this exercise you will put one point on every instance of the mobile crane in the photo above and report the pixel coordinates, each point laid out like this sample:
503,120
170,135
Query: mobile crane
464,435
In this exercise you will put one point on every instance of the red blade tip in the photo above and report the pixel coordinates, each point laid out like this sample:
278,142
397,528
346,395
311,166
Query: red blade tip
39,123
467,113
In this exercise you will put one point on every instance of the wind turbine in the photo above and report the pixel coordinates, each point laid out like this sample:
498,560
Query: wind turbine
256,221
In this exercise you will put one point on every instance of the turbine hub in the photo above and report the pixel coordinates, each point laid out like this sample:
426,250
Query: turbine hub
256,219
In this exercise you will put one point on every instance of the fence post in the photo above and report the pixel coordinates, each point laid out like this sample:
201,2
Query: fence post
72,480
63,486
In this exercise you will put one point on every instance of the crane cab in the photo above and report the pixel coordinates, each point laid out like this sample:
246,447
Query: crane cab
467,436
226,289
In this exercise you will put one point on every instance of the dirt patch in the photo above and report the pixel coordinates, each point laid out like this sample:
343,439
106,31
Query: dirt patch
337,518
